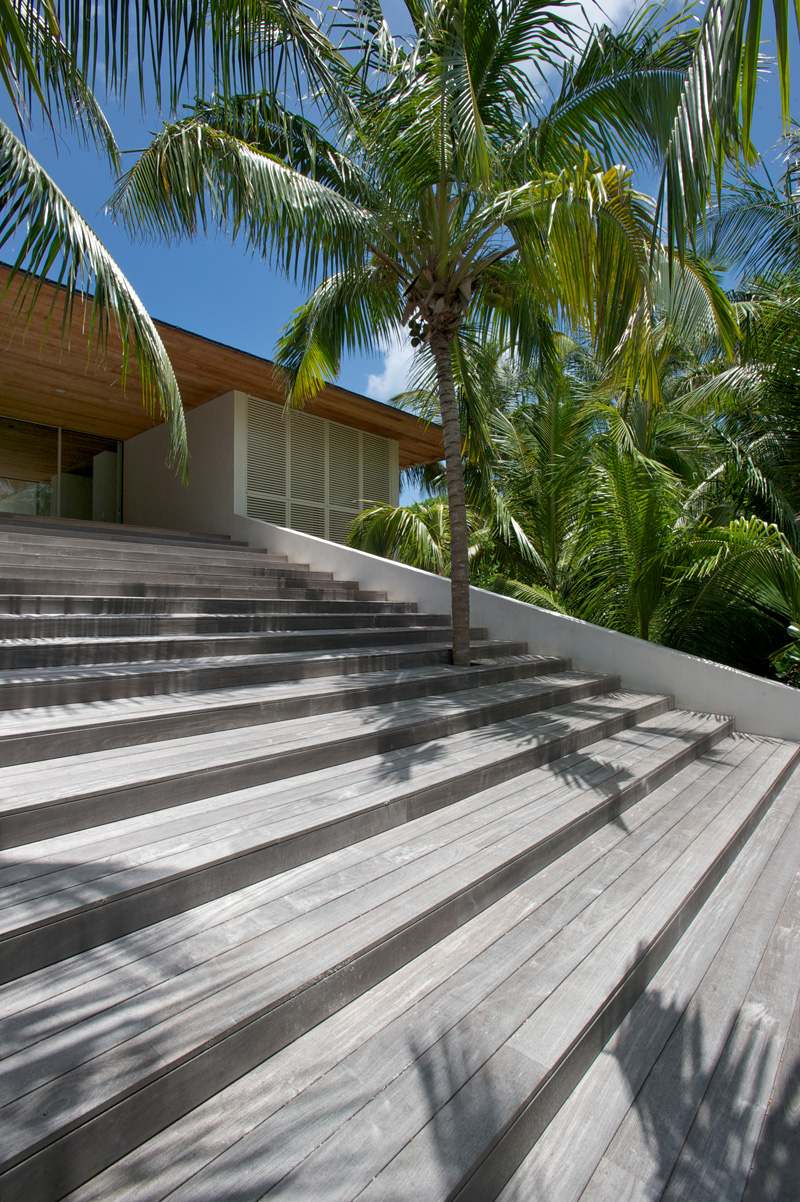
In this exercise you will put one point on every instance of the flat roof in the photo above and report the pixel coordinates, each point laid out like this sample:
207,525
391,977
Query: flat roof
61,384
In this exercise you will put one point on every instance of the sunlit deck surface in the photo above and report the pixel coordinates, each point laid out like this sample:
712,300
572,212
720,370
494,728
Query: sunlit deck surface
293,908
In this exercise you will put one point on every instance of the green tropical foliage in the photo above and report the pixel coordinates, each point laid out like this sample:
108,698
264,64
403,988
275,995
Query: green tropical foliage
643,471
51,53
441,189
633,510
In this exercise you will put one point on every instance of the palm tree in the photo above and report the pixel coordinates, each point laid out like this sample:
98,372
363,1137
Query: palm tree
49,56
443,190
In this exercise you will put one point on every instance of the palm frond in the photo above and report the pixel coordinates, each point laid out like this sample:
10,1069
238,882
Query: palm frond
618,98
18,71
417,534
355,311
531,594
718,92
735,589
192,175
244,45
47,229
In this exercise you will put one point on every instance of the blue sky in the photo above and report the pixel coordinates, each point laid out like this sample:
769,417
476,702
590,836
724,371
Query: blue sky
213,288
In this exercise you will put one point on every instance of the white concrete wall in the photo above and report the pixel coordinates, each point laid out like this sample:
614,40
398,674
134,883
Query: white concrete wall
154,495
105,466
759,706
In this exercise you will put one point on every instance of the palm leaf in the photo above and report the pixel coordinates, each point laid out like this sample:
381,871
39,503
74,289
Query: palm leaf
193,174
531,594
719,88
244,45
417,534
48,229
357,311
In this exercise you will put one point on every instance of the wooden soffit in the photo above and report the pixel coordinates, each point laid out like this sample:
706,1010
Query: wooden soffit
60,383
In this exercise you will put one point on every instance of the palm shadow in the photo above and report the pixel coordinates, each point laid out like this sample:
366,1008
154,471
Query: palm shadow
702,1136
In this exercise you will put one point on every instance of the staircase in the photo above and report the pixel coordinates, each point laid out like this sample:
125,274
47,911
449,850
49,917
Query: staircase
293,908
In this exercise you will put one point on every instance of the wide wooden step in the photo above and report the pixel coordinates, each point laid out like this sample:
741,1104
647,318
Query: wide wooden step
63,605
27,529
106,627
48,732
188,585
28,578
65,894
23,688
49,653
102,555
482,1063
50,797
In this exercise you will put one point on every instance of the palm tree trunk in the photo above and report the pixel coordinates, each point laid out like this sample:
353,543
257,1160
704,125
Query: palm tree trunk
456,497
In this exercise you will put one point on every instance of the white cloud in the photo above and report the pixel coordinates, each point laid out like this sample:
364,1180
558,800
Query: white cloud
608,12
397,358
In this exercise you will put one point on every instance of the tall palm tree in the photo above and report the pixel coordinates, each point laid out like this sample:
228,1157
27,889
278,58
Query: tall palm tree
443,190
50,54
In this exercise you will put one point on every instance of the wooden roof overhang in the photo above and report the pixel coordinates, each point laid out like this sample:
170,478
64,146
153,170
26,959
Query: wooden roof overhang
45,380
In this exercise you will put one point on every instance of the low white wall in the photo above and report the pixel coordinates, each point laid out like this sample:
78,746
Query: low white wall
758,706
155,495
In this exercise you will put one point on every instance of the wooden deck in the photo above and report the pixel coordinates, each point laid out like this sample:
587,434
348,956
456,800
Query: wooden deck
378,929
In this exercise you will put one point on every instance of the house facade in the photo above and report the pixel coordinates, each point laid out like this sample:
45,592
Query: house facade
76,441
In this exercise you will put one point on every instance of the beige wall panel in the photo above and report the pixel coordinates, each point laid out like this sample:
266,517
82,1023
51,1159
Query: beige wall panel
154,495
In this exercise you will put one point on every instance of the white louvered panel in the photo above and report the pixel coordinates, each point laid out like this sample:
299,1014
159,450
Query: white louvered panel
376,484
307,458
339,523
310,519
266,448
343,474
311,474
267,509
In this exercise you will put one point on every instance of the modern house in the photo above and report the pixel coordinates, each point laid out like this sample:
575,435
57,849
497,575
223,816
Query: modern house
74,444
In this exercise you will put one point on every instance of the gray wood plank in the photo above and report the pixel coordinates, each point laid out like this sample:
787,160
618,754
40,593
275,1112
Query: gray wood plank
61,981
716,1157
328,785
625,1134
53,780
127,1060
17,997
516,998
548,1039
776,1164
69,884
50,731
550,735
232,1116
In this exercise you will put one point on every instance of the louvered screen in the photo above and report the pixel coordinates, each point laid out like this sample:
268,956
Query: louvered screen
339,523
307,458
266,461
344,487
311,474
376,482
267,509
308,518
